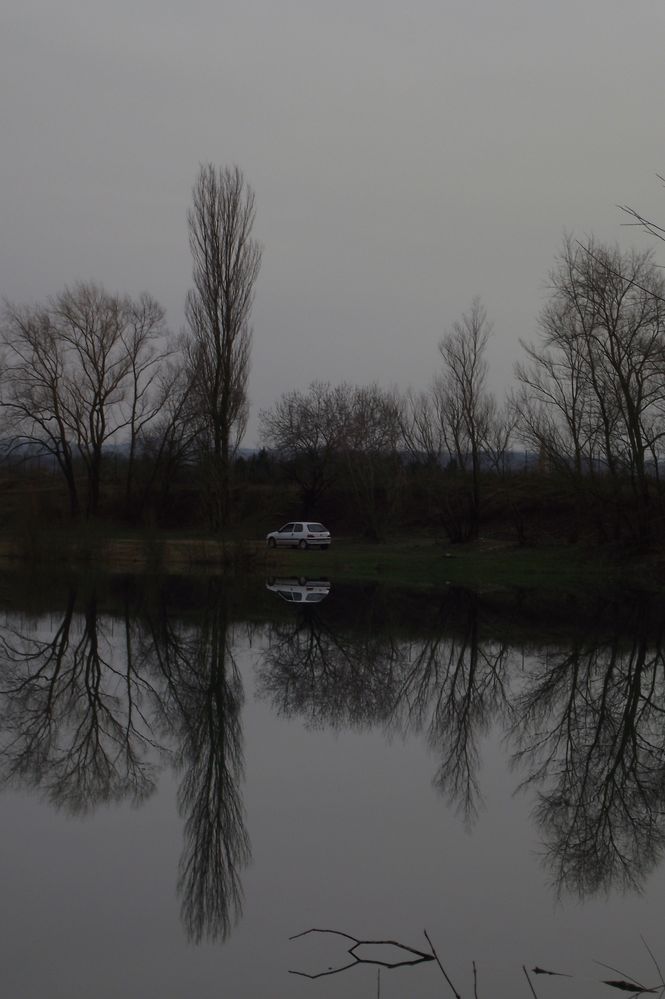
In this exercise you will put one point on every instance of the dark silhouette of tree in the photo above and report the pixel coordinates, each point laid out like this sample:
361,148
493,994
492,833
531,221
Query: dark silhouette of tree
168,446
465,406
201,709
456,687
592,400
305,430
333,434
89,714
79,373
331,677
648,225
226,263
589,727
372,422
448,683
72,713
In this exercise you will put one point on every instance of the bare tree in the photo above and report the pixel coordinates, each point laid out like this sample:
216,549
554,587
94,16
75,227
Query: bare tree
169,443
423,433
78,374
149,391
351,433
554,404
109,342
305,429
371,418
32,390
457,424
499,432
464,401
648,225
226,263
593,394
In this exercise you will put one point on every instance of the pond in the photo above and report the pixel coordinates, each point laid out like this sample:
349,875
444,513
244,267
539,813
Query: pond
195,773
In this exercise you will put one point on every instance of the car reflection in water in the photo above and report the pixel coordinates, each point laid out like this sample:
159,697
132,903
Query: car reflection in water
299,590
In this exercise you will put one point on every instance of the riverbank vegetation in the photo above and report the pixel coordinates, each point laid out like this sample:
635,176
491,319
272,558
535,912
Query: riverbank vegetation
113,431
416,560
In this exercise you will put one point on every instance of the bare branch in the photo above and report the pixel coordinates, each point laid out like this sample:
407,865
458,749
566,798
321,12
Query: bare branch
419,956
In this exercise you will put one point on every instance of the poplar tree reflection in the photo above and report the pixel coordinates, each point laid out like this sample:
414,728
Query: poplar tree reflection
589,724
201,708
90,713
71,714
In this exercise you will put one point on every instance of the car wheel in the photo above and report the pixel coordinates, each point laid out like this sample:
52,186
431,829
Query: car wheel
271,542
302,545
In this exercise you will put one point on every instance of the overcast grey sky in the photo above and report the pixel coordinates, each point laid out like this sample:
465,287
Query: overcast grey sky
404,157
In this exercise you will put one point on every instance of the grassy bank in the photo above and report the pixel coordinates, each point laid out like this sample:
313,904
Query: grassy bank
412,561
479,565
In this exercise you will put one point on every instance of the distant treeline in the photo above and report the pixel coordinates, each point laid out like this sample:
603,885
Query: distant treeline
366,494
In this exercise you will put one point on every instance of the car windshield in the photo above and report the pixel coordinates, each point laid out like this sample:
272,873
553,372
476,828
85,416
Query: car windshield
316,528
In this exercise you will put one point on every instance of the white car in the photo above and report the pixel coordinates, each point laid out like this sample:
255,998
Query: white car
300,534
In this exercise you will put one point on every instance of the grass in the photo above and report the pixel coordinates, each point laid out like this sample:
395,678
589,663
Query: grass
481,565
406,561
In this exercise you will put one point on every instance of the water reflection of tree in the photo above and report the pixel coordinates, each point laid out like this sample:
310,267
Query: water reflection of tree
448,684
329,675
201,707
586,717
91,710
589,724
455,687
71,712
89,713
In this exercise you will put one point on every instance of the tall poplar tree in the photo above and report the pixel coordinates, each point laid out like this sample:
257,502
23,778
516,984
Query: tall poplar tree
226,263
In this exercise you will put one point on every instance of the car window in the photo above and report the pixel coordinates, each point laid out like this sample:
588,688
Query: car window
297,527
316,528
288,528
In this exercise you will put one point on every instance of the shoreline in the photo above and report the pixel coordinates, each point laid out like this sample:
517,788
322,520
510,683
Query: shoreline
413,561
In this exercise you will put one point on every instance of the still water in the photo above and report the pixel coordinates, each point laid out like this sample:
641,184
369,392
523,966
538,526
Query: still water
194,772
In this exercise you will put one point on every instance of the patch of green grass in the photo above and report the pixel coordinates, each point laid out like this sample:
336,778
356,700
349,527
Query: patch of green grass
411,561
425,563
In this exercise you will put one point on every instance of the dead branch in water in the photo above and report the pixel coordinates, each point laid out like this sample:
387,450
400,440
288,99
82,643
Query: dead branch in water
420,957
